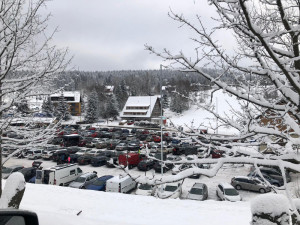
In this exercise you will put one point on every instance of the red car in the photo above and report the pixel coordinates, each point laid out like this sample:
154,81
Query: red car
217,153
156,138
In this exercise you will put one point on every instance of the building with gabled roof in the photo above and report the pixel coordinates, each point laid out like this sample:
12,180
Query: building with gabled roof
141,108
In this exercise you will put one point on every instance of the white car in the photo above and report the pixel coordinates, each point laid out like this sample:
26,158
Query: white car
145,189
226,192
34,154
170,190
83,151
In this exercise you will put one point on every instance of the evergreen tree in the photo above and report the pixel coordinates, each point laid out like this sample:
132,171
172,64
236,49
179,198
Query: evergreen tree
111,107
62,109
92,112
48,107
178,103
22,106
121,94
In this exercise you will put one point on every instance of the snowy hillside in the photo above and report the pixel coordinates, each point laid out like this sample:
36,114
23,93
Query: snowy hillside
197,117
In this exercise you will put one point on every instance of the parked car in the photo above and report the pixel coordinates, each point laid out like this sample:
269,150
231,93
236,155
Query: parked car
47,154
99,160
199,191
170,190
251,184
202,152
121,147
99,184
145,189
275,174
227,192
146,164
82,181
6,171
28,173
217,153
166,166
83,151
34,154
95,152
84,159
121,184
178,168
271,180
73,158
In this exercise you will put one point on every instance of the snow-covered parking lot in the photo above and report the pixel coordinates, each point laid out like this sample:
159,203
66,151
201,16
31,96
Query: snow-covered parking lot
53,203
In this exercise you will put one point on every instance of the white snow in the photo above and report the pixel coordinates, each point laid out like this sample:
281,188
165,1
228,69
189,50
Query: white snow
198,118
60,205
14,183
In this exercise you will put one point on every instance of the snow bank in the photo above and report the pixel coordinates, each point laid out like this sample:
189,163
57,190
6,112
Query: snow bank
13,184
69,206
273,204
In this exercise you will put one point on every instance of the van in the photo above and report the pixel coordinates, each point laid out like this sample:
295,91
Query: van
132,159
121,184
60,175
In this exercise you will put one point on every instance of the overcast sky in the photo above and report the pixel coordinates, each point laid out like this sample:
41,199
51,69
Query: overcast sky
111,34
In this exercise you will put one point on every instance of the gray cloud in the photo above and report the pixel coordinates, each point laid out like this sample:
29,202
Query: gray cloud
110,34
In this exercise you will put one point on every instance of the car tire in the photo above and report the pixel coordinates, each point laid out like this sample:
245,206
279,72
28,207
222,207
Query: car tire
262,191
238,187
34,157
130,167
82,187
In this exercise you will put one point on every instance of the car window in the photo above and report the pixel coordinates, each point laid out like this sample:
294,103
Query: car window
72,172
79,170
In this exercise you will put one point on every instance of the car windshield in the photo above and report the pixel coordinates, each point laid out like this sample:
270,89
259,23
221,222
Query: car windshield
82,150
145,187
99,182
80,180
6,170
231,192
30,152
170,188
196,191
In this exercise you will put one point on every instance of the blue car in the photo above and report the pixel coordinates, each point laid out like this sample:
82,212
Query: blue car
99,184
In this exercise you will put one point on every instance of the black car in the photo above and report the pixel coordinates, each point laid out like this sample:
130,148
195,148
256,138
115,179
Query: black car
133,146
73,149
84,159
60,156
146,164
99,160
166,167
28,173
73,158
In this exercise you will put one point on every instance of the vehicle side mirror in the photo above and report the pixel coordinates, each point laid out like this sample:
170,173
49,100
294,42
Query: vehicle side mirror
18,217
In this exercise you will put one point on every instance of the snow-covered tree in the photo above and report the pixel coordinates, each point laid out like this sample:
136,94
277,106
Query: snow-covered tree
92,111
62,108
111,107
28,61
265,57
47,106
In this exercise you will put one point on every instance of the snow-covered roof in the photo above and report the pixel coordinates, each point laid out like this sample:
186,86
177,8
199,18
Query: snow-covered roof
75,94
139,101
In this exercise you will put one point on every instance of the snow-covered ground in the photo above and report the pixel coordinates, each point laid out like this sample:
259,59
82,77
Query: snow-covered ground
197,117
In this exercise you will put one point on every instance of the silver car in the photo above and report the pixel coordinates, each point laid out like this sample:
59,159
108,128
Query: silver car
199,191
251,184
82,181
